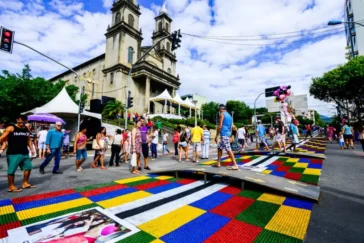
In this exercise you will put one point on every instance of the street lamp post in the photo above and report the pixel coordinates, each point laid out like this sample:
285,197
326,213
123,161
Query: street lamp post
337,22
195,103
232,113
255,109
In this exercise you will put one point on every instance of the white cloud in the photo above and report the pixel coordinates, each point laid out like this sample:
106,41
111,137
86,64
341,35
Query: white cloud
107,3
12,5
66,7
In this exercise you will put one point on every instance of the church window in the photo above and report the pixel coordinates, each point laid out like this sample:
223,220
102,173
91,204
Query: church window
111,78
168,46
117,18
167,27
84,75
76,79
131,20
160,26
169,70
130,55
94,72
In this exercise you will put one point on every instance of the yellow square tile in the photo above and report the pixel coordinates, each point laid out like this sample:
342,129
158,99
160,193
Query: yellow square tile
171,221
208,162
301,165
227,160
6,210
290,221
309,171
245,157
117,201
293,160
266,197
164,177
157,241
267,172
133,179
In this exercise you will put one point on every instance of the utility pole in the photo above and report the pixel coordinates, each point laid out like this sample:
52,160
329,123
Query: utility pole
232,112
81,107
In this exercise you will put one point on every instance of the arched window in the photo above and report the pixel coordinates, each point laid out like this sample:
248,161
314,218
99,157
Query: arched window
111,78
76,79
130,55
160,26
94,72
167,27
117,18
168,46
169,70
131,20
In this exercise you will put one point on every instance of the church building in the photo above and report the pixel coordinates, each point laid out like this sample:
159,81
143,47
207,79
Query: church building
106,75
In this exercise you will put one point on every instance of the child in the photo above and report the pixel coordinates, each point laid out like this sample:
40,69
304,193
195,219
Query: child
341,140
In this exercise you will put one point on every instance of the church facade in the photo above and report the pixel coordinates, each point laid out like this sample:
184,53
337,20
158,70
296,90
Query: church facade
107,74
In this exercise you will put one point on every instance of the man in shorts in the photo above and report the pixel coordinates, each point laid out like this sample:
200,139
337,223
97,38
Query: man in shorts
145,148
260,133
224,129
18,137
197,138
280,137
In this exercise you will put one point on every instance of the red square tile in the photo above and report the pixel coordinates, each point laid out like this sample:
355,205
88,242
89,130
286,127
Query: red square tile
233,206
5,227
101,190
231,190
150,185
235,231
277,163
283,168
293,176
186,181
42,196
316,161
246,160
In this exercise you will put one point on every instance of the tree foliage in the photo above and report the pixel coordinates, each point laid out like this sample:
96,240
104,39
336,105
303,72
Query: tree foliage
343,85
113,108
242,112
20,93
209,111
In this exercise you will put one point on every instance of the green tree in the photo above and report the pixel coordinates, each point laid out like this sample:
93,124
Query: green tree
113,108
262,110
210,111
268,117
242,112
20,93
343,85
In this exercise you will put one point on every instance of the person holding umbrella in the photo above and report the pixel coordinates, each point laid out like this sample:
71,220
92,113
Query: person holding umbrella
54,144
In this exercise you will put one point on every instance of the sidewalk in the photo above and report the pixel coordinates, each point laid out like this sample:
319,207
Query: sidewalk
340,213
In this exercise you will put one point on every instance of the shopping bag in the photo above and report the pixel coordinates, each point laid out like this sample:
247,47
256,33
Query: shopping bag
95,145
133,161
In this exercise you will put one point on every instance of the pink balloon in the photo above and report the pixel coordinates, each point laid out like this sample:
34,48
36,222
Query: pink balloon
289,92
108,230
282,97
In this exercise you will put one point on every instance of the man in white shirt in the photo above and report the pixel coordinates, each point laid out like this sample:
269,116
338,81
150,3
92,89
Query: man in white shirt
154,143
241,136
42,137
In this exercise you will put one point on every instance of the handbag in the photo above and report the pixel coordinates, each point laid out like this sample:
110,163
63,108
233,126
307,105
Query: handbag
95,145
133,161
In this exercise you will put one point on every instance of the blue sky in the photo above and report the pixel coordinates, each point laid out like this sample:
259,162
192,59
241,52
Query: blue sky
72,31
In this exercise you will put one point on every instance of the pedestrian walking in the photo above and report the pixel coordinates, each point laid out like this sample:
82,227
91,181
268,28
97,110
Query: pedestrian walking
42,137
308,131
136,147
280,136
126,144
18,138
295,133
145,147
224,130
66,143
183,145
54,144
33,139
154,143
260,134
116,146
361,135
348,135
341,140
79,148
330,133
206,142
101,141
159,127
165,142
150,124
176,141
197,139
241,137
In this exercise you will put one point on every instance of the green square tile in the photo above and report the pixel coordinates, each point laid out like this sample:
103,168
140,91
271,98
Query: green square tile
297,170
141,237
137,183
250,194
8,218
267,236
310,178
88,188
290,164
259,213
283,159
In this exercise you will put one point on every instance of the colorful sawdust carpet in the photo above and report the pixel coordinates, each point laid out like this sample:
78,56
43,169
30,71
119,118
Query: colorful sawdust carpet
170,210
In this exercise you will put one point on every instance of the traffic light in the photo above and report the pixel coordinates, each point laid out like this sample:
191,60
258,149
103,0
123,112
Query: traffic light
82,107
6,40
130,100
176,40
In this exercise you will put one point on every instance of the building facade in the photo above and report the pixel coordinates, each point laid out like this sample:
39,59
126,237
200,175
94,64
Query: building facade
354,12
107,74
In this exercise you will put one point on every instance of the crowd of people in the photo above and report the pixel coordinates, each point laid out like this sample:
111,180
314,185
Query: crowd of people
346,135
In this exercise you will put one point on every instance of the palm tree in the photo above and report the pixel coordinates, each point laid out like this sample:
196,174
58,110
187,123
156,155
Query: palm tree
113,108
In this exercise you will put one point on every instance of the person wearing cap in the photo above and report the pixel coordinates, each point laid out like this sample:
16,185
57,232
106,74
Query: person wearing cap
224,129
54,145
280,137
260,133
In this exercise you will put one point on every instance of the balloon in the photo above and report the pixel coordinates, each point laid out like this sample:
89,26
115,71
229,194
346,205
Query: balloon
108,230
276,93
289,86
282,97
285,92
288,92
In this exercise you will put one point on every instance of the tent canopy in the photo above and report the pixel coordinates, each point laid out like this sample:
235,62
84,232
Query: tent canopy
189,103
62,104
163,96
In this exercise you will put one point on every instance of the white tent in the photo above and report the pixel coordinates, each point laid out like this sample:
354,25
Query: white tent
189,104
163,96
177,100
62,105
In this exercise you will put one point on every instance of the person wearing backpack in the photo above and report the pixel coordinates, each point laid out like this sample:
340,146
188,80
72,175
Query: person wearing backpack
176,141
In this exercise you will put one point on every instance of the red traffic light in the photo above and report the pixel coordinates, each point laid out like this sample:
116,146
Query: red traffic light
7,33
6,40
